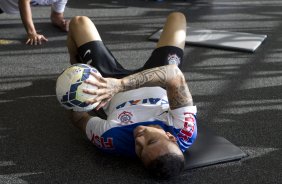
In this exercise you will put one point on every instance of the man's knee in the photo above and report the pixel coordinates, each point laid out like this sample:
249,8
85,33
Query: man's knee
177,16
79,21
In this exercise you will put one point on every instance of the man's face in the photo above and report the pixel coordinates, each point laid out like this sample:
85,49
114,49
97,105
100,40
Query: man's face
152,141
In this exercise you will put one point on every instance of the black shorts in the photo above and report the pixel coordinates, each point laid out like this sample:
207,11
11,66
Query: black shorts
99,56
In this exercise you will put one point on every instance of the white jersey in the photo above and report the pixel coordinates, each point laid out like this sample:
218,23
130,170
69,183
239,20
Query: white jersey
12,7
143,106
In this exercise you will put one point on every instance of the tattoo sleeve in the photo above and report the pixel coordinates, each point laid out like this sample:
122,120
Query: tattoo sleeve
151,77
168,76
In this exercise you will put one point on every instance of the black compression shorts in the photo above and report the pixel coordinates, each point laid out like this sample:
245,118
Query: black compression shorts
99,56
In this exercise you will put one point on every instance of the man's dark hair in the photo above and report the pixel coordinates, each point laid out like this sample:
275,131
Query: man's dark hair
166,166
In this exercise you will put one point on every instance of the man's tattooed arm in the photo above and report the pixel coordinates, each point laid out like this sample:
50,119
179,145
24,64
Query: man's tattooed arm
168,76
151,77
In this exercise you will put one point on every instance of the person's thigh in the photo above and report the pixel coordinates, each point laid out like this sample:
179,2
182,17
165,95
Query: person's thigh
164,56
174,31
171,43
83,30
96,54
85,45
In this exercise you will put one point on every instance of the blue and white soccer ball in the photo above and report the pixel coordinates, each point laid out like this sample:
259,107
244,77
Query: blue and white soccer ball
70,84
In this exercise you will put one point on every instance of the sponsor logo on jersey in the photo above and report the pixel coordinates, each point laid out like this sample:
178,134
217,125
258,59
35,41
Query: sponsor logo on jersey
101,142
173,59
152,101
189,126
125,118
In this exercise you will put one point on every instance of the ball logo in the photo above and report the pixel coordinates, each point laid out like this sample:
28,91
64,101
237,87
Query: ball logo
125,118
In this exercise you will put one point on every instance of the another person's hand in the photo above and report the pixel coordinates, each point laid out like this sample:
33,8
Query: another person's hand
62,24
35,39
107,88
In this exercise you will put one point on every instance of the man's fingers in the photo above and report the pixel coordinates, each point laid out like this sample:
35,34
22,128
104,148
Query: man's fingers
96,83
90,91
36,40
99,106
90,101
98,92
28,41
102,97
98,77
97,99
102,104
44,39
39,40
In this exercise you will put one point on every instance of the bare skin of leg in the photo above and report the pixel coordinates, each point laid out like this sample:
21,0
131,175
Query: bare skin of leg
58,20
174,31
80,25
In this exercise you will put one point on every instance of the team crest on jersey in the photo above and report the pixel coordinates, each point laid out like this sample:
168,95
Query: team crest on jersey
125,118
173,59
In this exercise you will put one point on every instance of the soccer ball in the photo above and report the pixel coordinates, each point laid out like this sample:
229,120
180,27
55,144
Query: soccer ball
70,84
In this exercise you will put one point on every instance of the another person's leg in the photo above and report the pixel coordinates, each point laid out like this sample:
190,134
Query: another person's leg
171,43
57,15
85,46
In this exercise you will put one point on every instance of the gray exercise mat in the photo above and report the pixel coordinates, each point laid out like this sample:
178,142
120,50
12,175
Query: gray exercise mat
210,149
220,39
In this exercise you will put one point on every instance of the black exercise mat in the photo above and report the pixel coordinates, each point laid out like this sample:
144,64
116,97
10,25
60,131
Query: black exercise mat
210,149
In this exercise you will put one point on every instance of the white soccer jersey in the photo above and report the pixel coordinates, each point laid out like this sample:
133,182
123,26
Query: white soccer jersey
12,7
143,106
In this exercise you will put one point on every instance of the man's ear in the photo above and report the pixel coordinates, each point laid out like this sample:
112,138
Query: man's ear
171,137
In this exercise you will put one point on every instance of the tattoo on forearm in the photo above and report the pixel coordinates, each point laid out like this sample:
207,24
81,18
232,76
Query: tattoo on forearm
180,96
167,76
114,85
151,77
